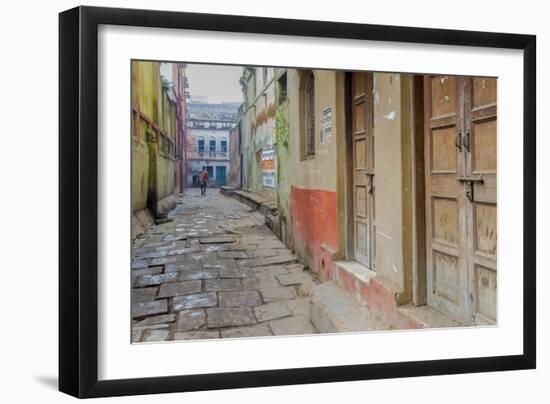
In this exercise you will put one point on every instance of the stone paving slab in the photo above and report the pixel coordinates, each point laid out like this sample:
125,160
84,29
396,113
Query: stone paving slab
161,319
194,301
295,325
293,279
235,299
278,294
149,308
180,288
144,295
259,330
154,280
155,336
222,285
271,311
190,320
230,317
210,334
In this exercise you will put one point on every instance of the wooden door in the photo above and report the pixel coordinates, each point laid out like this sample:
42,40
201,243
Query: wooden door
446,244
460,160
363,168
480,144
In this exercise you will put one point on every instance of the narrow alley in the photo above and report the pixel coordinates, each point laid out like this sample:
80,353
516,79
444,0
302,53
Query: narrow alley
215,270
336,202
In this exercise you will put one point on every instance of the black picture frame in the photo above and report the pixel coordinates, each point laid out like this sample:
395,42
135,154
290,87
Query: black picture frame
78,200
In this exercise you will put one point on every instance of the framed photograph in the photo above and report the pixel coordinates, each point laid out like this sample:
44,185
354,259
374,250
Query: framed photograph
251,201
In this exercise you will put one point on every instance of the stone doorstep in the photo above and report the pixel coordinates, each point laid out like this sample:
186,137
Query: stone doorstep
381,298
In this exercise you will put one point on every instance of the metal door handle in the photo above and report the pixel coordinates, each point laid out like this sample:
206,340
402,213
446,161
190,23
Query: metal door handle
458,141
467,140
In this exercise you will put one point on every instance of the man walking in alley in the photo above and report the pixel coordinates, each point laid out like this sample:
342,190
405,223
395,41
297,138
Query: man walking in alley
204,181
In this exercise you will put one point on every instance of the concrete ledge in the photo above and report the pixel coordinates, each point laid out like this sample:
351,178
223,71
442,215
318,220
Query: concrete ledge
265,204
226,190
332,310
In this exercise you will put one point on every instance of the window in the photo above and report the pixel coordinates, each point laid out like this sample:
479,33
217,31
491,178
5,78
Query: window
212,146
200,146
223,146
308,94
282,88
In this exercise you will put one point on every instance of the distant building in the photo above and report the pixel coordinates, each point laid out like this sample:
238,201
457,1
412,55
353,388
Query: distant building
208,140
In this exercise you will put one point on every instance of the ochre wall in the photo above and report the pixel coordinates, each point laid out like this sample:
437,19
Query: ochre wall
313,197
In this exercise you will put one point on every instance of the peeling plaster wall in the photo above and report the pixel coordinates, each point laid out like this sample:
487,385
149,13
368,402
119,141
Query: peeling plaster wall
258,127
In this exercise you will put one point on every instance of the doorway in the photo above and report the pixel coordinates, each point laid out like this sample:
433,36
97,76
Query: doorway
361,177
461,173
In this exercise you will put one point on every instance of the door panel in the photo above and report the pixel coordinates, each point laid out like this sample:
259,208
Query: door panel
481,130
447,270
363,168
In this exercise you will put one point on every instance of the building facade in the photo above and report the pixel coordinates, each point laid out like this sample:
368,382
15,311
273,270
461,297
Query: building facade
158,134
386,184
257,123
208,141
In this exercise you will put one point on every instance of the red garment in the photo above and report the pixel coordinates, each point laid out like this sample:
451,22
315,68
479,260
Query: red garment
204,176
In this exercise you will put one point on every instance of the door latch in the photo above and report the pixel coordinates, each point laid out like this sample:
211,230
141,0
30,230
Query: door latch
370,183
470,185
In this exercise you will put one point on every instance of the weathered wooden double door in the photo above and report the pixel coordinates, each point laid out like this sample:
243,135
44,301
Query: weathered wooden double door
362,137
461,196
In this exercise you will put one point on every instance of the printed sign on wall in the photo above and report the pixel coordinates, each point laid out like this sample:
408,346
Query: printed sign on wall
268,168
326,126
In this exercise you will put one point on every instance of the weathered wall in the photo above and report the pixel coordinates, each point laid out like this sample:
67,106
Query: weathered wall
258,125
234,177
284,176
393,167
153,145
313,199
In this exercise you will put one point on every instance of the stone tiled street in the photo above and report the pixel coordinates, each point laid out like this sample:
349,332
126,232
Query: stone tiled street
216,271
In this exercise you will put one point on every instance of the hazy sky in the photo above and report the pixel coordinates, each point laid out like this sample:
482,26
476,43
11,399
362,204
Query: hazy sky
218,83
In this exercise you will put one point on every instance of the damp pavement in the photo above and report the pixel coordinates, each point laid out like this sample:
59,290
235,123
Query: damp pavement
215,270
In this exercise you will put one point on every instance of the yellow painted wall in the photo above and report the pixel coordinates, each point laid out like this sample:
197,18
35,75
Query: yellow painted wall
320,171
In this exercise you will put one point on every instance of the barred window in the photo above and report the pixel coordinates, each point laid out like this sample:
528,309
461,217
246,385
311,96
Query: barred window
309,107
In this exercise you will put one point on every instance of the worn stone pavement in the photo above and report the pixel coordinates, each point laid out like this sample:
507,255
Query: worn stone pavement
216,271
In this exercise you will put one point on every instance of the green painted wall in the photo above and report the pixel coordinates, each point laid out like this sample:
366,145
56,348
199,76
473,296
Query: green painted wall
152,168
283,175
